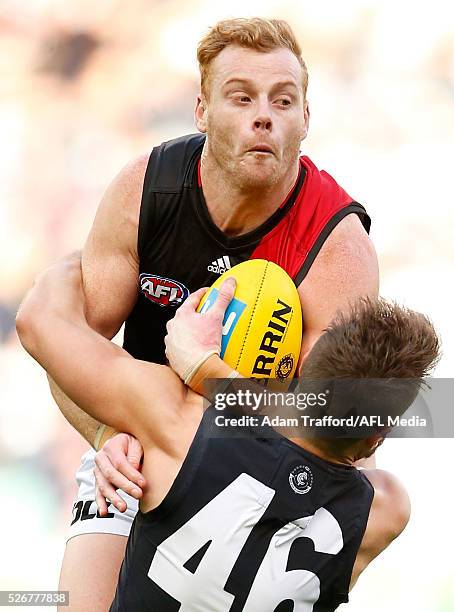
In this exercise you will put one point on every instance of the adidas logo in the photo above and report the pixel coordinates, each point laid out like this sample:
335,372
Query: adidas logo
219,266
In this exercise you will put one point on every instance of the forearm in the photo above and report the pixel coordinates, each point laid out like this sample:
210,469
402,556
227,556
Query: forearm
52,327
87,426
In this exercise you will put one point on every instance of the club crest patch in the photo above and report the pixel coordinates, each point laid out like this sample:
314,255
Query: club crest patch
162,291
284,367
301,479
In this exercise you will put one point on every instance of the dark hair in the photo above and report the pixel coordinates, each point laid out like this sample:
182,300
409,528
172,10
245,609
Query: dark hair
375,340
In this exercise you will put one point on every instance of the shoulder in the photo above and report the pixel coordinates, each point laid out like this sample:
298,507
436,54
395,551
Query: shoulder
345,269
182,143
135,169
170,163
117,216
129,180
390,499
389,513
121,200
348,241
347,255
388,517
340,233
324,184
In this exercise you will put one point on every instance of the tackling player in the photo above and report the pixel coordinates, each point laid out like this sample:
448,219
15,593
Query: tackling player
226,523
178,218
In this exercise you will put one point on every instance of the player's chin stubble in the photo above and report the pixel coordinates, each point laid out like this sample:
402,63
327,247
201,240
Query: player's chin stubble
255,173
241,169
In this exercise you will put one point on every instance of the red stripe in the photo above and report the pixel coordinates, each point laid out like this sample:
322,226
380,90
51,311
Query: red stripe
289,243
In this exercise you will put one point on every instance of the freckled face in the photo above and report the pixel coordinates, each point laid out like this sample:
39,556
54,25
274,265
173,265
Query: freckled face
255,117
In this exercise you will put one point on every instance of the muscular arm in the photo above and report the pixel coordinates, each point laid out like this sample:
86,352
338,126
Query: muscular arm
345,269
99,376
110,272
86,425
110,262
388,517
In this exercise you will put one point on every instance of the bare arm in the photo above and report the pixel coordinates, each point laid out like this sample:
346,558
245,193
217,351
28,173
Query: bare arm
345,269
110,273
86,425
99,376
110,262
388,517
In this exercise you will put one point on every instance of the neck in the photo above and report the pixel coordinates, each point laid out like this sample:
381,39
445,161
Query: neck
309,445
235,209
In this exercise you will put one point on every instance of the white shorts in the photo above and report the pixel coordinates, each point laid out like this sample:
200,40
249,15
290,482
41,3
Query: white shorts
85,515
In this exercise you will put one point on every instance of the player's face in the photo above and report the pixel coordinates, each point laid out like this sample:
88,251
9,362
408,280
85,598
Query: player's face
255,116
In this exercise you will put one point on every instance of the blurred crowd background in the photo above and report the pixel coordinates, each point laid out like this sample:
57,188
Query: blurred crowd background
85,86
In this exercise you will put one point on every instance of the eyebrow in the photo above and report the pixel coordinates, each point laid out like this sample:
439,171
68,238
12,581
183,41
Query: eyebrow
240,81
282,84
234,80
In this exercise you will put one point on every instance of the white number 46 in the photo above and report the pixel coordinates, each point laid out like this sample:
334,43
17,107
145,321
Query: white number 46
227,521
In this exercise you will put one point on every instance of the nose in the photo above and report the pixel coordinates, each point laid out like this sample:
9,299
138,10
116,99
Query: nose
262,120
262,123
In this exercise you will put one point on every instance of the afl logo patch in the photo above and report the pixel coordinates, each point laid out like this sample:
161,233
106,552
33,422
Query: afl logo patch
301,479
284,367
162,291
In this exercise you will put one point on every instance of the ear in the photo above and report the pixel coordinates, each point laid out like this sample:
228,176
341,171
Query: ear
200,113
372,443
307,115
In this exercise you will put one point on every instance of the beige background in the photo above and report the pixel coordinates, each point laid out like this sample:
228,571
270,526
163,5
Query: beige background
85,86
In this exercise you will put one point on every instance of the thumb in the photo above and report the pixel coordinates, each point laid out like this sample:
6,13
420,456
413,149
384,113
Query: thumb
225,295
193,300
135,452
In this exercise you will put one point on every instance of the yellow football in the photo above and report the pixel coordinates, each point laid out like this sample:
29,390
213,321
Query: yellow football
262,327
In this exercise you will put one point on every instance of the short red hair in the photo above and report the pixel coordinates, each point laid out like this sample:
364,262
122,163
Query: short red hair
260,34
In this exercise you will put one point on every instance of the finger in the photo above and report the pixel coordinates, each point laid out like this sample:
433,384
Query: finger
128,478
101,503
106,490
129,483
193,300
135,454
224,297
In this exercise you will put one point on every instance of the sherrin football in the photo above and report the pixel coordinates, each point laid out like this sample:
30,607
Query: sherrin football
262,327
